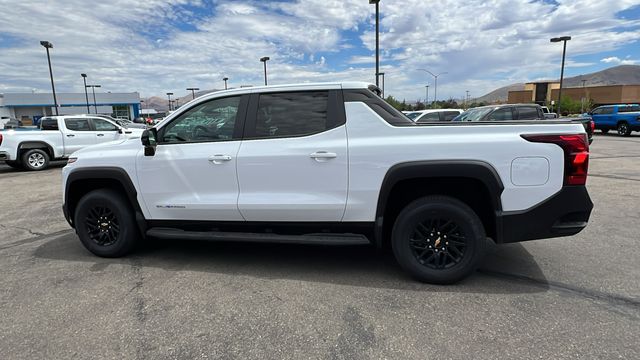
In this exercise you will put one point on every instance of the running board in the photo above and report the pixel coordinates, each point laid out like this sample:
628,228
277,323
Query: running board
310,239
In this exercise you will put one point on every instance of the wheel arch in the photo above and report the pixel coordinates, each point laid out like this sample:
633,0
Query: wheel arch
462,179
28,145
84,180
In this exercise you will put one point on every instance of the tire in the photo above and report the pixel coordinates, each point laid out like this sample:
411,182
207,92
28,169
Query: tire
430,224
624,129
105,224
604,131
35,160
14,164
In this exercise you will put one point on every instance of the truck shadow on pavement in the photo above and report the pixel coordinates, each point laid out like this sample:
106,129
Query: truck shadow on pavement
6,169
507,269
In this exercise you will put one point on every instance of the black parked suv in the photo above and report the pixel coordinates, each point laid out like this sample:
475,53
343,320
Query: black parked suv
511,112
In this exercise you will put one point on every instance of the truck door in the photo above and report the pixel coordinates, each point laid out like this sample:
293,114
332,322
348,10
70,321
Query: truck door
292,163
104,130
78,134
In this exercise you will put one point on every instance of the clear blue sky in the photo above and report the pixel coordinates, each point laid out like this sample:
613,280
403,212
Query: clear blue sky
155,46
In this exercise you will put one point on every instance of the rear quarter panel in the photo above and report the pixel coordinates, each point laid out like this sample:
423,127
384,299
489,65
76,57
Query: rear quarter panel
375,146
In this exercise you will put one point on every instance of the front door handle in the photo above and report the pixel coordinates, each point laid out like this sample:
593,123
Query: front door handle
323,155
70,135
219,158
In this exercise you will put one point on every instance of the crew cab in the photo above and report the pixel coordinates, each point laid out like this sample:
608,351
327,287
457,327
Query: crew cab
58,137
331,164
625,118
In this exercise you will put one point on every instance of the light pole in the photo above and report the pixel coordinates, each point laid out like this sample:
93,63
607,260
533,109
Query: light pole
426,97
169,97
584,97
93,89
47,45
141,107
193,92
382,74
466,100
225,82
177,101
564,51
264,60
377,3
435,85
86,94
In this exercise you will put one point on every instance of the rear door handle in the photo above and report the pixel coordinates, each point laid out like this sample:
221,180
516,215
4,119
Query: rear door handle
219,158
323,155
100,134
70,135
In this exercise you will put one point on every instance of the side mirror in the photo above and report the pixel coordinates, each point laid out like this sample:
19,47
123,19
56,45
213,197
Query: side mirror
149,142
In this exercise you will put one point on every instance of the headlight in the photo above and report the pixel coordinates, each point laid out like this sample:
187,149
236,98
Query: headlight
71,160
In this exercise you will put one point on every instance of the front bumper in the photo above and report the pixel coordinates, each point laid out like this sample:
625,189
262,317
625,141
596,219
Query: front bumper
564,214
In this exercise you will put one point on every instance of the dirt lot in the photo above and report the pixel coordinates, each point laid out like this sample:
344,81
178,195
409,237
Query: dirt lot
575,297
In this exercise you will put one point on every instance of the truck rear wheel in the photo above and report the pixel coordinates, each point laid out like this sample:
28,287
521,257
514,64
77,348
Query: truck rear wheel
104,223
438,239
35,159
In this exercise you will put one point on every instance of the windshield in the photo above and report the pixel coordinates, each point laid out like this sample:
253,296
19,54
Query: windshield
473,114
413,115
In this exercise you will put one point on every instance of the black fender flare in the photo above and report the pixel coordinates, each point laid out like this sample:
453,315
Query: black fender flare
27,145
102,173
471,169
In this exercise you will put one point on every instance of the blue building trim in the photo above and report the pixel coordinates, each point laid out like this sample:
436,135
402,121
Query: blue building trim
69,105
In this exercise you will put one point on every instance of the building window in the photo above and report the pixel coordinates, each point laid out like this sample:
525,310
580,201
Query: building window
121,112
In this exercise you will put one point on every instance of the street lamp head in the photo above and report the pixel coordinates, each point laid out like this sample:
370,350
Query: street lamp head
97,85
83,75
169,93
562,38
225,78
264,58
46,44
374,1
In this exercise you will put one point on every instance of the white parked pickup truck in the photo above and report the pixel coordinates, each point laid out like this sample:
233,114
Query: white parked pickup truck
332,164
58,137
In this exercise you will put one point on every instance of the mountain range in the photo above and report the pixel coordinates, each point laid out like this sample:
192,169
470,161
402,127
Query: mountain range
617,75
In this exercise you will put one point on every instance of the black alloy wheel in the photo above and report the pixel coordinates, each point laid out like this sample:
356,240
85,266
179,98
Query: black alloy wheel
438,239
624,129
438,243
104,222
102,225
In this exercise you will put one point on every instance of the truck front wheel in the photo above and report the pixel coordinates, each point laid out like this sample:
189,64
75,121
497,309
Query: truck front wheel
35,159
104,223
438,239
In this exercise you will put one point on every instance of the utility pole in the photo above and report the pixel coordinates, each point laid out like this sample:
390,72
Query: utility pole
564,51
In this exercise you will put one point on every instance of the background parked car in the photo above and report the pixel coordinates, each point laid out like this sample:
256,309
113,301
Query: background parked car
517,112
126,123
433,115
9,123
625,118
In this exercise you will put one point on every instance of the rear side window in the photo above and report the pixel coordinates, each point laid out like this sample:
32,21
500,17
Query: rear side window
632,108
606,110
449,115
503,114
77,124
49,124
528,113
103,125
429,117
292,114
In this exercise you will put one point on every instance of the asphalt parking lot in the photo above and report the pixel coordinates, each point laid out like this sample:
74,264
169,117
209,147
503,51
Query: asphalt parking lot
575,297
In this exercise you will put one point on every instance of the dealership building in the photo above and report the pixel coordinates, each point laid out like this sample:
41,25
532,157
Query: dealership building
30,107
542,92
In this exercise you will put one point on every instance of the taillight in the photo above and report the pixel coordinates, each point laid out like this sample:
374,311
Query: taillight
0,139
592,124
576,155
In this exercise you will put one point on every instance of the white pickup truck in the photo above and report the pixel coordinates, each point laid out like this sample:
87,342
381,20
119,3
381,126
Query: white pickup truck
332,164
57,138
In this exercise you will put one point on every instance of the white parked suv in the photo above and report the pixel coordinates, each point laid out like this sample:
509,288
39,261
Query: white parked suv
433,115
331,164
57,138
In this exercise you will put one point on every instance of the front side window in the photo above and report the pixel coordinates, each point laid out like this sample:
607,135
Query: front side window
214,120
292,114
449,115
103,125
77,124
